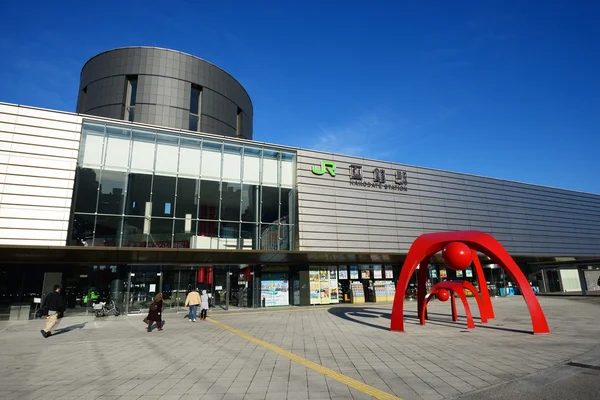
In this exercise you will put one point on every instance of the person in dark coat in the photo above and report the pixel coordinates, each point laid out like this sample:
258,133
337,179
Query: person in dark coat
53,307
155,313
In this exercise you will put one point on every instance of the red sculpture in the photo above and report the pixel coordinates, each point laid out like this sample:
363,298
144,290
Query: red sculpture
457,255
443,289
442,294
425,246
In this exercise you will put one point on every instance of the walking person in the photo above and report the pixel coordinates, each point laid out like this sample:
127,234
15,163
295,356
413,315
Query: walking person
154,315
193,301
54,308
203,305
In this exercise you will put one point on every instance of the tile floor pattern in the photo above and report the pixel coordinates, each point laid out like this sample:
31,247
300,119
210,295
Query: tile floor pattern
117,359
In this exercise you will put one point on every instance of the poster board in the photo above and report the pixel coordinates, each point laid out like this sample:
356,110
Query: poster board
377,272
333,286
275,292
324,286
343,274
315,287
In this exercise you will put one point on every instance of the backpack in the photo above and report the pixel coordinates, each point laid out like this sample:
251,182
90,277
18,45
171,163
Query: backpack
43,310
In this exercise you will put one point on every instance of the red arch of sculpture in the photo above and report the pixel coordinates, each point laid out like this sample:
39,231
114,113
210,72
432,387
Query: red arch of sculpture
457,287
426,245
486,306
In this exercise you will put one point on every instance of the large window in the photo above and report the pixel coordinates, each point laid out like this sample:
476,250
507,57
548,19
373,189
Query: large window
112,192
139,188
239,128
149,188
88,181
195,107
230,201
130,98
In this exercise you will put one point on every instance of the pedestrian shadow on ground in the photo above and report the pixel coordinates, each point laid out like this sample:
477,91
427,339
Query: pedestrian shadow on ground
358,315
68,329
154,325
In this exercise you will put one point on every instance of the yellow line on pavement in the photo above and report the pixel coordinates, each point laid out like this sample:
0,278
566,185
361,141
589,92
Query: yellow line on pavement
353,383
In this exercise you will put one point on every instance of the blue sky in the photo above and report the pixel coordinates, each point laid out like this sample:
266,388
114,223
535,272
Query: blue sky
503,89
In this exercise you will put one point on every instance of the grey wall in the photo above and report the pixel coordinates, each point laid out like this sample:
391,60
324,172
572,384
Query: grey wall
163,94
528,220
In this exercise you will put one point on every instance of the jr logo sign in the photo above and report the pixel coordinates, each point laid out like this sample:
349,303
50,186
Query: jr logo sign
326,166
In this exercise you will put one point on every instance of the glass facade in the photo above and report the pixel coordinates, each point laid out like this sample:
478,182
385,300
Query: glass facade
145,188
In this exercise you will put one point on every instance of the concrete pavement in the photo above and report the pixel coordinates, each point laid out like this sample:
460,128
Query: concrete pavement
341,352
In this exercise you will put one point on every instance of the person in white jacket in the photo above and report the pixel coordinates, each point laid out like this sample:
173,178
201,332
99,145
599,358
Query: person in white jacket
203,305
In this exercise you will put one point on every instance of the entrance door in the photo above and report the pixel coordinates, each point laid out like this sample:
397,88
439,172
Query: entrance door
222,286
553,281
143,285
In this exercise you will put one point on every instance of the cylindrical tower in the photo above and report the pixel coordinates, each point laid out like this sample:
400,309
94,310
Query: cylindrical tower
166,88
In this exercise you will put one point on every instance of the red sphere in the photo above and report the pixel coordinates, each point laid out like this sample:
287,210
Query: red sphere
457,255
443,295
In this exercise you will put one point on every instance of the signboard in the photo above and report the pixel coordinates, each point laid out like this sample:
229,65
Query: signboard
380,180
275,292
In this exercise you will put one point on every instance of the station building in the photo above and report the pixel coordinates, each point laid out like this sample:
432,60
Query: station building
155,184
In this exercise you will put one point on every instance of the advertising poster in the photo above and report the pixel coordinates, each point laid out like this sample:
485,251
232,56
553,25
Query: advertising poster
313,275
389,274
469,273
433,273
325,293
315,286
343,274
324,275
333,285
377,274
354,272
459,274
315,293
366,274
443,273
275,292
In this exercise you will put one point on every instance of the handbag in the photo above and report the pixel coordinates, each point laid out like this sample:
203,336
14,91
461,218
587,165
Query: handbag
153,306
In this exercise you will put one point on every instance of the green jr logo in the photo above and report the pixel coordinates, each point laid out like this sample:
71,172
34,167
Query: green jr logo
326,166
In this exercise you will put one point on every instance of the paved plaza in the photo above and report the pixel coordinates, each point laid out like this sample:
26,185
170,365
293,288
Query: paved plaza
338,352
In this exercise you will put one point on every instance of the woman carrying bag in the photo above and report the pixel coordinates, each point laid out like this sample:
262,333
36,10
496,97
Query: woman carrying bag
155,313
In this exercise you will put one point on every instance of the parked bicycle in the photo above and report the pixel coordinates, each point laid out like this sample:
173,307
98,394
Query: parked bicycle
101,309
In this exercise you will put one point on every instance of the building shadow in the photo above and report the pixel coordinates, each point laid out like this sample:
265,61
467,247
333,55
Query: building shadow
359,316
68,329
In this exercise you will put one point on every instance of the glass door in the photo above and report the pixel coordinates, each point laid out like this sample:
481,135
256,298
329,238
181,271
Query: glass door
143,285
